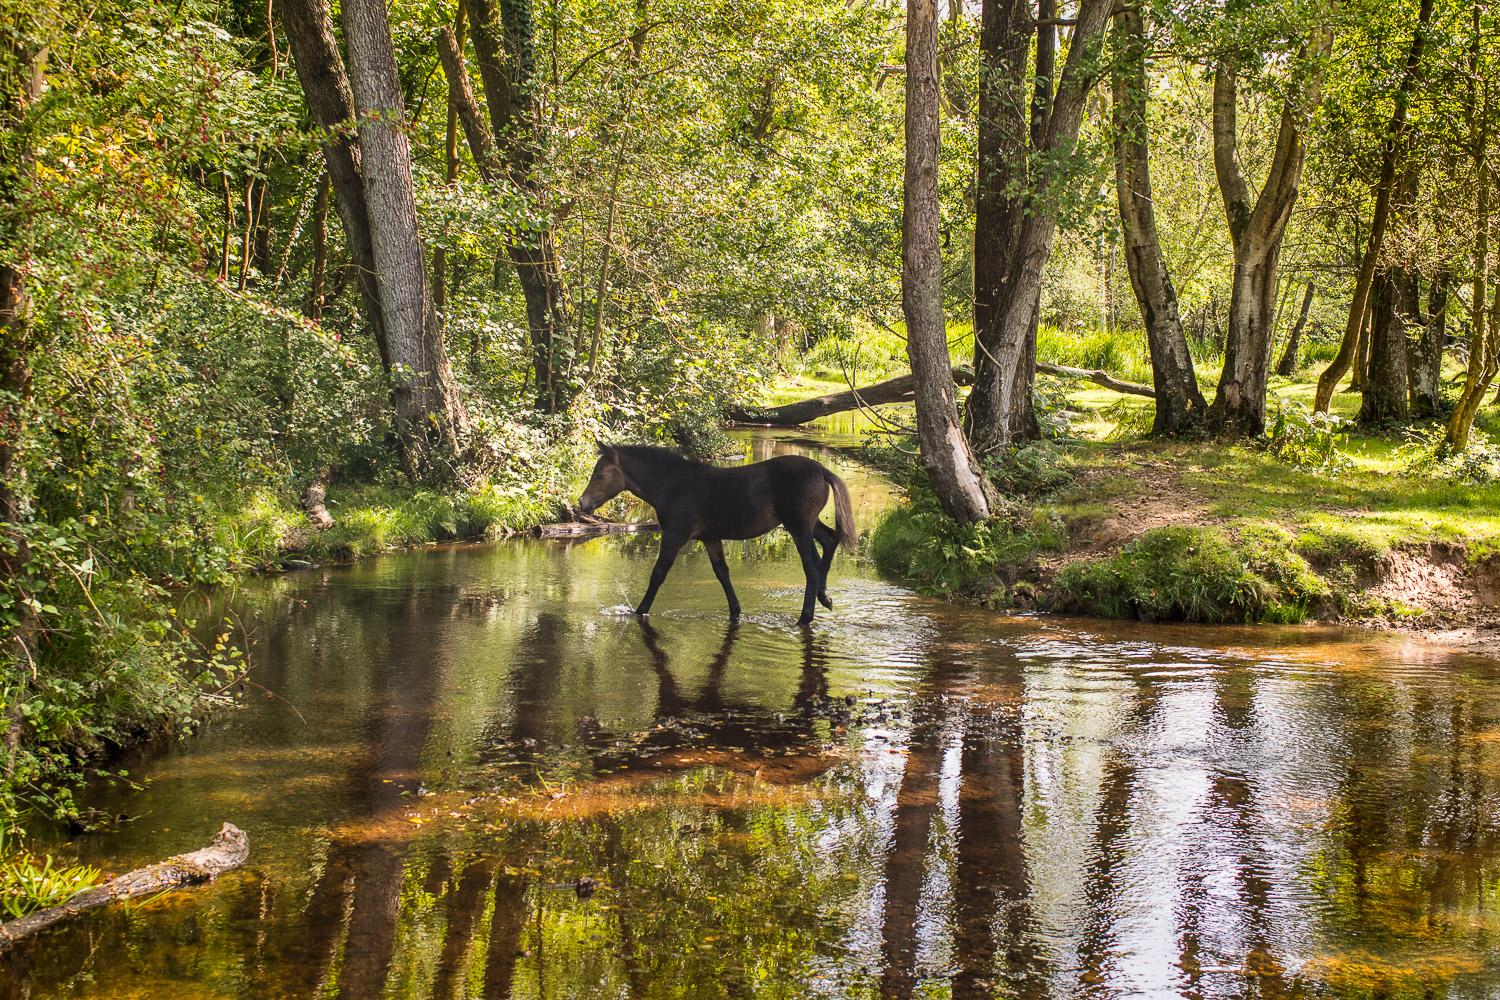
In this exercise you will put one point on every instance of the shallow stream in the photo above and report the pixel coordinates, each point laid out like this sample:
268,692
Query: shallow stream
472,782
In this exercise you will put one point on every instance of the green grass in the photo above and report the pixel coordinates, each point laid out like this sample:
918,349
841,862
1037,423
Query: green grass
1197,574
372,519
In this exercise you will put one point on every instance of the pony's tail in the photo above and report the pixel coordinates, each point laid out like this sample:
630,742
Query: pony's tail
843,512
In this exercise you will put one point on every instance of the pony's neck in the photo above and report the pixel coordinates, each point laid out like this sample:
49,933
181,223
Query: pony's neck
651,480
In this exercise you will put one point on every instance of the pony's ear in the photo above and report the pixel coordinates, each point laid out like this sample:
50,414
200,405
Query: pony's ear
602,448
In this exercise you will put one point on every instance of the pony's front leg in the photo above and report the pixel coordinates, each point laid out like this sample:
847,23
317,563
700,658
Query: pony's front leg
670,546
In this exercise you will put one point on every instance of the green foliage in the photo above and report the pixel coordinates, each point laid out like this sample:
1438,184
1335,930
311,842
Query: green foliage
29,883
1119,352
1306,439
1197,574
1425,452
1033,470
918,542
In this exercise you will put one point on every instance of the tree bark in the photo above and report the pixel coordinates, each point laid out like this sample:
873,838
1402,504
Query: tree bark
1256,228
1393,152
1427,353
1013,233
1293,350
503,43
951,467
227,852
1180,406
430,420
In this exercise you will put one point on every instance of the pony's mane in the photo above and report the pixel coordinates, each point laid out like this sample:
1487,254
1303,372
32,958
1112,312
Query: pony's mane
656,458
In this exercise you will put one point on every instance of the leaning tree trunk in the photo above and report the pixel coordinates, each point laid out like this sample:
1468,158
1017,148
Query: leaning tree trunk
951,467
1013,240
1393,152
1483,339
1256,228
503,43
1287,366
325,86
1179,402
1427,353
999,406
430,420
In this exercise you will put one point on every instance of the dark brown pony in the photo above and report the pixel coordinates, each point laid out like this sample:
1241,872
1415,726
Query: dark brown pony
701,502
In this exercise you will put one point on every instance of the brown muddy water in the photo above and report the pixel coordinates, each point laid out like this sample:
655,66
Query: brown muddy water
472,782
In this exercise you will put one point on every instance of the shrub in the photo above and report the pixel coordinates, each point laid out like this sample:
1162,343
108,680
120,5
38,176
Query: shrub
920,543
1309,440
1426,453
1197,574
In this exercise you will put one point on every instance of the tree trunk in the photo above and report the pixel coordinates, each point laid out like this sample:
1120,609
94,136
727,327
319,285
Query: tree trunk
1287,366
430,421
1256,228
1393,152
503,42
450,170
1427,354
951,467
320,68
1483,340
1180,407
1385,389
316,293
902,389
1013,233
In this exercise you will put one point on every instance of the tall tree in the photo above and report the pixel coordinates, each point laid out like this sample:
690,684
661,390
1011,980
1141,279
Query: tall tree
1293,350
1015,221
1484,339
373,183
504,43
946,455
1256,227
1394,150
1180,407
1393,305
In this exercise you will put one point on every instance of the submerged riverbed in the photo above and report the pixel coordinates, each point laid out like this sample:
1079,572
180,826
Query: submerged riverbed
471,782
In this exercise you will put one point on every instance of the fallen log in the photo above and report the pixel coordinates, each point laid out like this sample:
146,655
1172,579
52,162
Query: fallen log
227,852
591,527
900,390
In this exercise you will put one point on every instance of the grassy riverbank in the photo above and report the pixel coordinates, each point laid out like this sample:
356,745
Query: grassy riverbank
1313,523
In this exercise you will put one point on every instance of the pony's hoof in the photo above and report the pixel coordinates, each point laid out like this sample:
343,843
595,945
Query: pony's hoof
826,601
804,622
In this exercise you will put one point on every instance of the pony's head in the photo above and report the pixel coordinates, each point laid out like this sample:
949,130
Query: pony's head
607,482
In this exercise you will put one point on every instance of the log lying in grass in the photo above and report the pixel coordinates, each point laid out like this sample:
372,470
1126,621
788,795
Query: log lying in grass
899,390
226,853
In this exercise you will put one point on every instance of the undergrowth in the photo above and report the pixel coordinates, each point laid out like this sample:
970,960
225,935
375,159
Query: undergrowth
1198,574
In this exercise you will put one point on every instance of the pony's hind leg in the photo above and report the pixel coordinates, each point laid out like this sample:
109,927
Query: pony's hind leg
715,549
829,539
810,570
670,546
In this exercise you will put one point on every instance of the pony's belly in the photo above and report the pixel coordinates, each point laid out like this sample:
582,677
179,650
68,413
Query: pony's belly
738,530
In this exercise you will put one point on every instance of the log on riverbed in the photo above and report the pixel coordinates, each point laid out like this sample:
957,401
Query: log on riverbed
226,853
900,390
